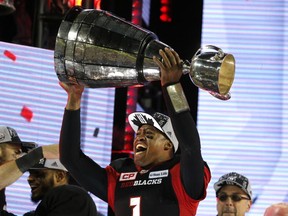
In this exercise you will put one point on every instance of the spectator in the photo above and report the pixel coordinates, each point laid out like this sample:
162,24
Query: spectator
16,157
234,194
51,185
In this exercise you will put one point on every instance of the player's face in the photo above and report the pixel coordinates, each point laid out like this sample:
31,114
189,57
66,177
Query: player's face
150,147
230,207
9,152
40,181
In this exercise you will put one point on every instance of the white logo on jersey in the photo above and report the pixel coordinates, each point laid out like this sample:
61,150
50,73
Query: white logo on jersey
158,174
128,176
147,182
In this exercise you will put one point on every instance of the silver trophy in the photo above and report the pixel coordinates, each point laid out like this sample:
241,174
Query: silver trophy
99,50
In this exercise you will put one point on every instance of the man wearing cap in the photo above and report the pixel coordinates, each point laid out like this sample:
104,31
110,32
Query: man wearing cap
15,159
234,194
158,181
51,185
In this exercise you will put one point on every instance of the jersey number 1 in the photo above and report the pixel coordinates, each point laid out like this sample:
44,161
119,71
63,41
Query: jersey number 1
135,204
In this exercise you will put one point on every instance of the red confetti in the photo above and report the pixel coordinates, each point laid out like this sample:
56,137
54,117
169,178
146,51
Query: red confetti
27,113
10,55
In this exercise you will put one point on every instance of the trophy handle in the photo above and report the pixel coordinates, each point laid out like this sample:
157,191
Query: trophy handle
212,71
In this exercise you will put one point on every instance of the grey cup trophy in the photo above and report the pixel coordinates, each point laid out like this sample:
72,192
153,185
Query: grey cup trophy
99,49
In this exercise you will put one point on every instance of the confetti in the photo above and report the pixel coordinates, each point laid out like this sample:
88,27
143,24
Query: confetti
27,113
10,55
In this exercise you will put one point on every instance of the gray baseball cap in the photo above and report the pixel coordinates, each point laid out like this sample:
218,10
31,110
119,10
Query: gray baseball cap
9,135
49,164
236,179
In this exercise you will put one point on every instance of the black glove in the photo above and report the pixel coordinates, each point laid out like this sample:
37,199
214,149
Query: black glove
5,213
31,213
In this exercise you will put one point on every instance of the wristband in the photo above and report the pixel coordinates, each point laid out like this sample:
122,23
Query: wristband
29,160
177,98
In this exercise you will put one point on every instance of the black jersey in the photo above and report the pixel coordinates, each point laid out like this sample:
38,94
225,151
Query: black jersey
66,200
157,191
173,188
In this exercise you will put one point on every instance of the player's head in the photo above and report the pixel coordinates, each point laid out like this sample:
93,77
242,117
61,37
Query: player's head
155,139
233,192
11,147
44,176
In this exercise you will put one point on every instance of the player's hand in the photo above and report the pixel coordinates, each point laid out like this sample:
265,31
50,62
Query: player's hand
171,66
73,87
74,91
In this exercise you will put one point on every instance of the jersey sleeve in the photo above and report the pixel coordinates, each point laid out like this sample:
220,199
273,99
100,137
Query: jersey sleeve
85,171
194,173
